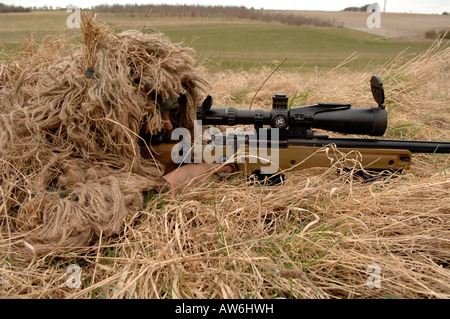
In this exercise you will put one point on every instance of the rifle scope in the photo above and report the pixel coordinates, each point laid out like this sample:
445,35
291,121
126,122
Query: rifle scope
337,117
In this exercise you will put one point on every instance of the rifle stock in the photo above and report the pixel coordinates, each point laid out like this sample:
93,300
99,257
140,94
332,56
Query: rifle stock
296,157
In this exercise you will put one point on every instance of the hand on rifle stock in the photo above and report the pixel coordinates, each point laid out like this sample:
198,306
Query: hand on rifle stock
191,175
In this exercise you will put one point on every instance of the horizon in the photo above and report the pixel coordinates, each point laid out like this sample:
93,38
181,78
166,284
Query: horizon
400,6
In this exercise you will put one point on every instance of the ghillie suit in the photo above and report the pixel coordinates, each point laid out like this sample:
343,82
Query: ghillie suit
70,123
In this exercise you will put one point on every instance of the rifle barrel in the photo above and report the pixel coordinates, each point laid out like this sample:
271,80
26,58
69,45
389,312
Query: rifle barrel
412,146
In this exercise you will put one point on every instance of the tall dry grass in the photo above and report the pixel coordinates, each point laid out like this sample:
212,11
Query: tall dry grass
315,236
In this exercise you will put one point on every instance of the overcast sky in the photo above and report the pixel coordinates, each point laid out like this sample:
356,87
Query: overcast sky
413,6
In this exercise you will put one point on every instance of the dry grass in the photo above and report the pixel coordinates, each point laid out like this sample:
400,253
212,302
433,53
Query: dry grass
312,237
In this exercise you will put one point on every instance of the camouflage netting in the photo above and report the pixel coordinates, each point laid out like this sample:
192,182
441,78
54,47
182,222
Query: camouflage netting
71,167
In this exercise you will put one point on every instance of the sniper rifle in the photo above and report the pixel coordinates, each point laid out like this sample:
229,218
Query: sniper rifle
288,133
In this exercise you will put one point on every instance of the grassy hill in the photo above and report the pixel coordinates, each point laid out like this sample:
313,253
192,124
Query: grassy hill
231,43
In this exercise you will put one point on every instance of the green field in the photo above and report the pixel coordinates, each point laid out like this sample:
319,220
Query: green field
234,44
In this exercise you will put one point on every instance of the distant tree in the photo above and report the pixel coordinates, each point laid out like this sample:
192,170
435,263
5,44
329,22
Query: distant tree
433,34
359,9
5,8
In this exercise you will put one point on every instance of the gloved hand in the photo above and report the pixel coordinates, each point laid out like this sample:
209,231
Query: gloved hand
191,175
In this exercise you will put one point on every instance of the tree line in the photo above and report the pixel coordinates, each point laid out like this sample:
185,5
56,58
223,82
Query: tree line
11,8
198,11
